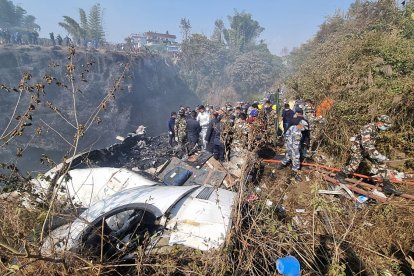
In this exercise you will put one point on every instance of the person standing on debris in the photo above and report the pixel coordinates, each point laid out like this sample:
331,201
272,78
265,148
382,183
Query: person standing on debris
298,104
267,107
171,131
309,114
203,118
237,112
253,112
210,132
309,111
293,140
193,132
240,131
305,141
213,136
187,112
287,116
363,146
180,128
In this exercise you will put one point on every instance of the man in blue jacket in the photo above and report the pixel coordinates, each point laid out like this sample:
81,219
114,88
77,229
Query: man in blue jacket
287,116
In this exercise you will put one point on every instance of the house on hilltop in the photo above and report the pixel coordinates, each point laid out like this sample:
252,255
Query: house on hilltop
152,38
157,38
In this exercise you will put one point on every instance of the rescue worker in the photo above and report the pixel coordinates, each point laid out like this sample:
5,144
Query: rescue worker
210,132
171,131
363,146
180,128
193,132
240,131
298,104
309,112
237,112
306,136
253,112
309,115
203,118
267,107
287,116
293,139
214,137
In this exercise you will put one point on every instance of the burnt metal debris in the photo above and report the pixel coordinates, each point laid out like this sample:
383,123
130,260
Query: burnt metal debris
136,151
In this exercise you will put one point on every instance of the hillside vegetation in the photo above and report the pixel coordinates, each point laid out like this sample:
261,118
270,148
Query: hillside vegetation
362,59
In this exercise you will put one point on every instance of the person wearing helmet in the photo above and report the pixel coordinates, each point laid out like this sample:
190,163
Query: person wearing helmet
363,146
293,138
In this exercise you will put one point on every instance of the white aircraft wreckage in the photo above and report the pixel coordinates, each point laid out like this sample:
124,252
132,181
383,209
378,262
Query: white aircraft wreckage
181,203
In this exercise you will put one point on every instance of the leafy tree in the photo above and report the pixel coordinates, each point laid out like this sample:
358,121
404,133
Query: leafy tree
231,64
84,27
218,31
72,27
89,28
29,23
7,14
95,28
331,26
243,31
252,71
202,63
363,60
13,17
185,27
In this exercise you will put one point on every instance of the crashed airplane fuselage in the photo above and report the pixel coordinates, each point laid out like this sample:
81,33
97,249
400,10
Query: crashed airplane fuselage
124,209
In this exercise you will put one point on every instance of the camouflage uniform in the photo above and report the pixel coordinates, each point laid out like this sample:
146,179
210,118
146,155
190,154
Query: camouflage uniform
315,126
226,134
180,129
363,146
292,143
240,134
309,114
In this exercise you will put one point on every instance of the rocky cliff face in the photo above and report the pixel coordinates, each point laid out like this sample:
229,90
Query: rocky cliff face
151,89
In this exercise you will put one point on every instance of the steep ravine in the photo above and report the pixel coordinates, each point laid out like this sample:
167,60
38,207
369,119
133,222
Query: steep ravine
151,89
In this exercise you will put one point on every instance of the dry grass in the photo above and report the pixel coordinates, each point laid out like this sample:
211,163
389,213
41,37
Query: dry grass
331,237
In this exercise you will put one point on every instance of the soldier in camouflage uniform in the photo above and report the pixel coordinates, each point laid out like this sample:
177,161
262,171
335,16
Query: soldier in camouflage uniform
226,132
314,124
309,112
363,146
293,139
180,128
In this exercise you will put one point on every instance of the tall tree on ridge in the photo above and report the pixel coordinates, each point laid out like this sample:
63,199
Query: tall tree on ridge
95,28
89,28
185,27
243,31
218,31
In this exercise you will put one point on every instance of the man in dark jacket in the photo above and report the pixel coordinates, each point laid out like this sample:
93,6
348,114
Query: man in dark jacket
171,132
193,132
213,137
287,116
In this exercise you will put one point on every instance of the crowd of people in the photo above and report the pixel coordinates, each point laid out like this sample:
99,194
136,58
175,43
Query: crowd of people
226,130
223,130
18,37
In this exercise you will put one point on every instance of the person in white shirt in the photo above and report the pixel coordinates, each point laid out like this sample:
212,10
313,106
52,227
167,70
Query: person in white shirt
203,118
